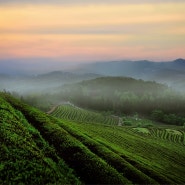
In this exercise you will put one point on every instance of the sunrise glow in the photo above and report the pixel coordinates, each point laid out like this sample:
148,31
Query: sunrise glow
94,31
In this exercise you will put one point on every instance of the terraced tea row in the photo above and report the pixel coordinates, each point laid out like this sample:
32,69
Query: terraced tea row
91,168
107,154
171,135
145,138
69,112
137,173
157,158
25,157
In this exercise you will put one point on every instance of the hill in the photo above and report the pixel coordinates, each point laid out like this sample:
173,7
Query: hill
25,156
68,152
146,70
123,95
139,69
171,73
31,84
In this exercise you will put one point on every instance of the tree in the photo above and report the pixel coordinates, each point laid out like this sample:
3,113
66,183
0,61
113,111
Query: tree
157,115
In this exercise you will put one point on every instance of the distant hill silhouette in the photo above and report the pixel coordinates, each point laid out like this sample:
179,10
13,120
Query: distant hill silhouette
172,72
43,82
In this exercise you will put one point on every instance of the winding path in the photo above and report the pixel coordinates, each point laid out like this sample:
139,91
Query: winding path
52,109
61,103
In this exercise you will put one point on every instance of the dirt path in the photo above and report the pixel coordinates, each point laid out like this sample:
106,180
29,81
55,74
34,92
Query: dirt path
52,109
62,103
120,122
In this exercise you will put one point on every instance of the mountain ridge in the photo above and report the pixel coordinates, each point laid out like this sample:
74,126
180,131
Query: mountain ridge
143,69
11,67
171,73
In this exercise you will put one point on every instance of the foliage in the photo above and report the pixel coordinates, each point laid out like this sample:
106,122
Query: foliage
127,96
172,119
35,145
112,143
160,158
77,156
25,156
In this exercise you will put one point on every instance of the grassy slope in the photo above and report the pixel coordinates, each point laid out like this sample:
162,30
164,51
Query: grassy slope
155,152
159,159
91,168
25,157
114,155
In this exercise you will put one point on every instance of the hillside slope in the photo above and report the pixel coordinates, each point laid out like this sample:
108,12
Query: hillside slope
126,95
71,112
73,152
25,157
128,149
97,153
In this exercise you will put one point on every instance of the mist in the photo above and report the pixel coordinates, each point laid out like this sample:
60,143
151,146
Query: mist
35,66
29,76
147,88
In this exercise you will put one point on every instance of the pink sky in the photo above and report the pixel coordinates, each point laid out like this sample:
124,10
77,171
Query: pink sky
93,32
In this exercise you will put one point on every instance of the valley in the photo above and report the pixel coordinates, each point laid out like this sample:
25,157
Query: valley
91,129
92,92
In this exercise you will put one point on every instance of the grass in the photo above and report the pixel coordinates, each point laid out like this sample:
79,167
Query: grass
142,130
25,157
75,153
162,157
36,147
134,144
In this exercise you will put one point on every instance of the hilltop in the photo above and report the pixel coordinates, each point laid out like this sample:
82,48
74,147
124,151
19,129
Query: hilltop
142,69
124,95
171,73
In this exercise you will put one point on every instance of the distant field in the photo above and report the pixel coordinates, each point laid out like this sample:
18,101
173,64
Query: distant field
147,147
70,112
137,125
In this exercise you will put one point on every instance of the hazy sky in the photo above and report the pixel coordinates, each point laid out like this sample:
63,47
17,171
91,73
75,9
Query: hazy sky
92,30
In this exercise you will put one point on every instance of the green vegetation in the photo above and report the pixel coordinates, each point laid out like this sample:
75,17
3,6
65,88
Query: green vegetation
82,147
172,135
159,159
171,119
70,112
127,96
77,156
106,141
118,95
25,157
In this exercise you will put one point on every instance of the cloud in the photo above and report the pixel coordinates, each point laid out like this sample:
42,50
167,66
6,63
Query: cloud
98,31
109,19
76,2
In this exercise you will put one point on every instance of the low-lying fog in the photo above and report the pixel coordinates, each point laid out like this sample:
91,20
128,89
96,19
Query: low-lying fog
48,82
170,73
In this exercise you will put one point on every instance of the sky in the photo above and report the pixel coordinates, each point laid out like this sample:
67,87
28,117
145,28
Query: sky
87,31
